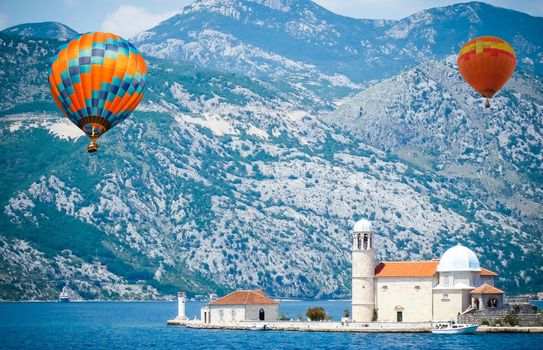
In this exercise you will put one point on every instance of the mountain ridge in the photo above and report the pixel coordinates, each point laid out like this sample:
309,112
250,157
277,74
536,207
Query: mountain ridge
224,180
359,49
41,30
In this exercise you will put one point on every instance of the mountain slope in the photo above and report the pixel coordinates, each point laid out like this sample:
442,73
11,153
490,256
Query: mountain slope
221,181
41,30
429,116
293,38
21,87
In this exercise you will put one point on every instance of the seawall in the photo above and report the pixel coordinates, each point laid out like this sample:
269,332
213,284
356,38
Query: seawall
372,327
305,326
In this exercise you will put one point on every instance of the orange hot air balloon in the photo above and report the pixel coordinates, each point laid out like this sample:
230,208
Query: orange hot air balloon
486,63
97,79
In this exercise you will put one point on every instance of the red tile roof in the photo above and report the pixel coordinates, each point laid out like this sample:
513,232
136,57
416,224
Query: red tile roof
245,297
406,269
487,289
413,269
485,272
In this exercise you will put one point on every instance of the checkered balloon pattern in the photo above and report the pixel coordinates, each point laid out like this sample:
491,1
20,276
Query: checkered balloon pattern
486,63
97,79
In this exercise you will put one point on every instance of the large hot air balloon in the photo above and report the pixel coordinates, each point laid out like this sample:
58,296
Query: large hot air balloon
486,63
97,79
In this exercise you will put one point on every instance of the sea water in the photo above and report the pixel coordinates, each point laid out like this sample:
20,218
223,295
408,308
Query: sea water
142,325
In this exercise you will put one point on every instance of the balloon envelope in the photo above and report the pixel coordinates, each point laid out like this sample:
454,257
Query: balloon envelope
486,63
97,79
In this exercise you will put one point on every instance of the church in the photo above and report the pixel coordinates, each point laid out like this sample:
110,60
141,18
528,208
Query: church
417,291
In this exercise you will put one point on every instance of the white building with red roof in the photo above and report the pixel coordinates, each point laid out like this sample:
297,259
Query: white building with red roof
241,305
417,291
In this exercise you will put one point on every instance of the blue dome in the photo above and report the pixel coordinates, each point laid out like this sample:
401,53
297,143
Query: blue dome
458,258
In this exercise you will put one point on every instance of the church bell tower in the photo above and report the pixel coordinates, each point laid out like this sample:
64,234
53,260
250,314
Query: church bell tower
363,286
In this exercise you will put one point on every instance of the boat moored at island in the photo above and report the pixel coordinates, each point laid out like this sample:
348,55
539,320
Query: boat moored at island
64,296
452,327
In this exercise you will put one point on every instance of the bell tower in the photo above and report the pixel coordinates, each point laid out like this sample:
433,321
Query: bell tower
363,284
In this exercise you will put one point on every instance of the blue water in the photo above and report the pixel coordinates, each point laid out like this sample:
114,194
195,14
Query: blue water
143,325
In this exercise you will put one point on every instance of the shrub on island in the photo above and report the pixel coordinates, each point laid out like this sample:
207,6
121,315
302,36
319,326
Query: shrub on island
317,314
511,319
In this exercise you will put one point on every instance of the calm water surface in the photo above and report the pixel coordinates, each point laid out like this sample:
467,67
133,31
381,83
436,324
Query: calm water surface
142,325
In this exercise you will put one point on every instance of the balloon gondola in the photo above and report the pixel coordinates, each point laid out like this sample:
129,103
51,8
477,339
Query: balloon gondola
97,80
486,63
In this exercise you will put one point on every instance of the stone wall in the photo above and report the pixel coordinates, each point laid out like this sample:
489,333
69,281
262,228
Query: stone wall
271,312
526,314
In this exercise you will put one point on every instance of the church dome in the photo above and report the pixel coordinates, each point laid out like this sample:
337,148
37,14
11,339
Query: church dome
458,258
363,226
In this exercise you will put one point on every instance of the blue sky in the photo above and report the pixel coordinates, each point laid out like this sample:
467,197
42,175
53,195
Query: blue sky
129,17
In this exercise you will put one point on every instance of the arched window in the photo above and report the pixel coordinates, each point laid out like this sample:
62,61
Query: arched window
492,302
366,242
261,315
358,242
233,314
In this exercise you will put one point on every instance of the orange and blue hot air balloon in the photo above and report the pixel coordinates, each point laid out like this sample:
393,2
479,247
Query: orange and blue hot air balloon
486,63
97,79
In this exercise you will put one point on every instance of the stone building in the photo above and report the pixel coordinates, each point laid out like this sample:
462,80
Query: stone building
416,291
241,305
486,297
491,306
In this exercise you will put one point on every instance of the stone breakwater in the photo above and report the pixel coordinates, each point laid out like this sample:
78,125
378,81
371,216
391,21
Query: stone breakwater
484,329
304,326
373,327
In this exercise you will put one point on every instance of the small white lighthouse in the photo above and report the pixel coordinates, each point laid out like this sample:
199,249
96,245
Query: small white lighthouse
363,286
181,299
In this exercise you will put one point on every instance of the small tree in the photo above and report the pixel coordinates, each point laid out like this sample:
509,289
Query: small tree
485,323
511,319
346,313
316,313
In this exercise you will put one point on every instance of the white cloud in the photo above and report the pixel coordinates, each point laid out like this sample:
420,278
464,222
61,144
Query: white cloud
128,20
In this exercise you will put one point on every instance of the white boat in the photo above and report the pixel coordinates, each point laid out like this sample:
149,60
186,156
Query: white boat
454,328
64,297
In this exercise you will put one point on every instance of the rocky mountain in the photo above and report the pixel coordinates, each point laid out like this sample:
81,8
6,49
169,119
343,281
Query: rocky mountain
41,30
391,114
308,44
430,117
224,180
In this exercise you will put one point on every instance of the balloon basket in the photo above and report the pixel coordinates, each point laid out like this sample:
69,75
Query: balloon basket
487,103
92,147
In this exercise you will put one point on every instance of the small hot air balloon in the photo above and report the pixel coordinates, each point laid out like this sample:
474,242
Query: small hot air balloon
486,63
97,79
